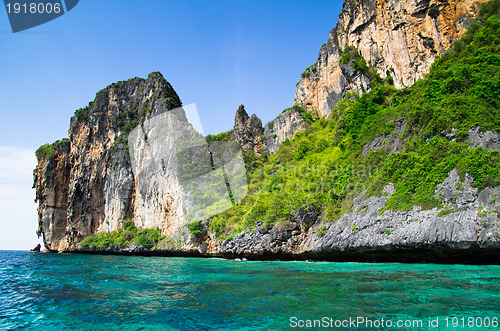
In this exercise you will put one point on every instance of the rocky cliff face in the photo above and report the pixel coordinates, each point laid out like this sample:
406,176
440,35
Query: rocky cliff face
283,127
87,185
401,38
51,181
102,175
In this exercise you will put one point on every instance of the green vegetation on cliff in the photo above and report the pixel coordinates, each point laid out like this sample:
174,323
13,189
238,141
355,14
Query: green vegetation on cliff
423,132
123,237
224,136
46,151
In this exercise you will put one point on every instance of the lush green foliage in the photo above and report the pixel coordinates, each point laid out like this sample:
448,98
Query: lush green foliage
351,56
297,108
194,227
308,116
224,136
322,169
122,237
48,150
82,113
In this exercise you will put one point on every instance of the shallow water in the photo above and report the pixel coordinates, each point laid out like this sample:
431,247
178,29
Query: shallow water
91,292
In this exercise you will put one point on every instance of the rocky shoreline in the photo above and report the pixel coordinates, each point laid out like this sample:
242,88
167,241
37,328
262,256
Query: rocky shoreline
436,254
469,234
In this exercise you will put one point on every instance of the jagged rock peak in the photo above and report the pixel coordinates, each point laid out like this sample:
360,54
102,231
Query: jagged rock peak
248,130
400,38
142,96
241,115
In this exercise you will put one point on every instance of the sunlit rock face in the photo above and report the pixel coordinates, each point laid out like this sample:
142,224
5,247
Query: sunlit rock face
397,37
180,178
252,136
282,128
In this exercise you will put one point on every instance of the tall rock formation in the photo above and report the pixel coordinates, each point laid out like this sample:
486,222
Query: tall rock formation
248,130
401,38
86,184
51,181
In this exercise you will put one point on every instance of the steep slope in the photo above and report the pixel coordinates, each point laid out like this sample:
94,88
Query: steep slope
398,38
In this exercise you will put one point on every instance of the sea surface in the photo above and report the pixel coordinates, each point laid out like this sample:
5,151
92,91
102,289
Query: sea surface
90,292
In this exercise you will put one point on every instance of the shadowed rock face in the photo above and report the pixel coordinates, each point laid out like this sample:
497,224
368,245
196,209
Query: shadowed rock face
51,181
400,37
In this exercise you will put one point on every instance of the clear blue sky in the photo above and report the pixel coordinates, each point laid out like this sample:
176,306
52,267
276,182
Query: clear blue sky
217,54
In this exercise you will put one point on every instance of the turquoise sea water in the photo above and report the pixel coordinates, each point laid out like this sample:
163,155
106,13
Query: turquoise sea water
89,292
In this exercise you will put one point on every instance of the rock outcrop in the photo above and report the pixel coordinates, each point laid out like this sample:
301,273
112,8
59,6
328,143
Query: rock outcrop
36,249
400,38
248,130
250,134
283,127
485,139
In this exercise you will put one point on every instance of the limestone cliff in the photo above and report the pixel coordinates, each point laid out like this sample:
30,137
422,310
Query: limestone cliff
51,180
86,185
102,175
400,38
283,127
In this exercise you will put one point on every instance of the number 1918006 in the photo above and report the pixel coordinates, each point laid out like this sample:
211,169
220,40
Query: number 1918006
471,322
33,8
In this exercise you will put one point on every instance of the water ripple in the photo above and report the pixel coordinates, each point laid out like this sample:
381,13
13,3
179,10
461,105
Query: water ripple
81,292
